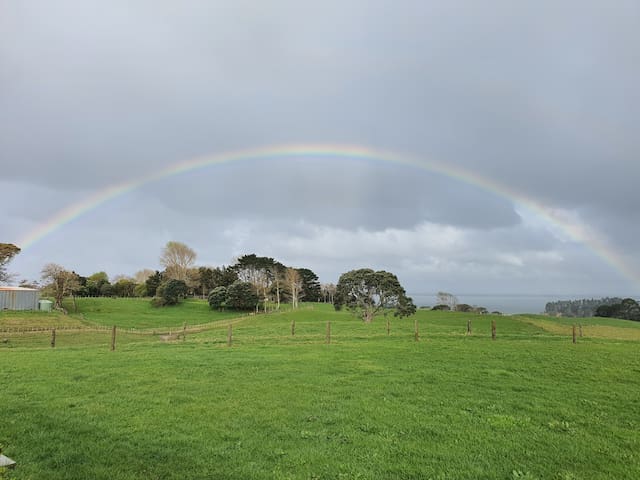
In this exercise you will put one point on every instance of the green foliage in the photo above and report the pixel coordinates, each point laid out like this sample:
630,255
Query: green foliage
441,307
169,293
579,308
241,296
124,288
158,301
106,290
217,298
311,291
96,284
7,252
140,290
152,283
627,309
367,293
173,291
224,276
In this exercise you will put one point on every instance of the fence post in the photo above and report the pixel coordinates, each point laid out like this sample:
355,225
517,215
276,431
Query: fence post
229,335
293,327
113,338
469,326
574,333
328,333
416,334
53,338
493,329
580,325
388,327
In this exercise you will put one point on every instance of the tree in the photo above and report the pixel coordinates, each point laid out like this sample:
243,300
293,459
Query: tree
311,290
59,282
97,284
367,293
217,298
29,284
7,252
259,272
293,281
328,292
152,283
224,276
193,280
441,306
169,293
605,311
176,258
141,275
206,280
124,287
140,290
627,309
445,298
106,290
241,296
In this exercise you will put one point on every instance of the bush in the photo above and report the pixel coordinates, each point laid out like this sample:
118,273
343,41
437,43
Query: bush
169,293
443,307
157,302
241,296
218,297
628,309
174,290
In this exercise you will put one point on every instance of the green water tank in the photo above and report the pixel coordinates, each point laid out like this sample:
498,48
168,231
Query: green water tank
45,305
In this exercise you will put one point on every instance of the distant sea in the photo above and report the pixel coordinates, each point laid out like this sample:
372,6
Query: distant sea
512,303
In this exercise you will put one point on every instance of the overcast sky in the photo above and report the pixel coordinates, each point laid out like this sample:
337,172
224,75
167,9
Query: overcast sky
541,97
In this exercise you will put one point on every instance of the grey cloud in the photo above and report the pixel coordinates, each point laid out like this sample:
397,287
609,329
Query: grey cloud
540,97
337,192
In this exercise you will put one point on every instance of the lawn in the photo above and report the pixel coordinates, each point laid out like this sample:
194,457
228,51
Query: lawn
138,313
529,405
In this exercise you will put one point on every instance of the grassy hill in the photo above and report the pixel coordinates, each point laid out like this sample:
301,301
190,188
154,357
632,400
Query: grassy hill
369,405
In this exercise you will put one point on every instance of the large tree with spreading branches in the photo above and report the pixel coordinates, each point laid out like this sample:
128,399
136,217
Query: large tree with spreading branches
367,293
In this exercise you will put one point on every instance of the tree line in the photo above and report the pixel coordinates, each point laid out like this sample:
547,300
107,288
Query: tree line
252,282
579,308
627,309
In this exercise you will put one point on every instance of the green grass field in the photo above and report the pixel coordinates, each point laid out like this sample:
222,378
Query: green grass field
530,405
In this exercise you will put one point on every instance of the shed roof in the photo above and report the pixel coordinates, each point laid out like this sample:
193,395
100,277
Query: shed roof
17,289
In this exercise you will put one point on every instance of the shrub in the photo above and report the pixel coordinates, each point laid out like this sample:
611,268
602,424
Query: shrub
218,297
241,296
169,293
442,306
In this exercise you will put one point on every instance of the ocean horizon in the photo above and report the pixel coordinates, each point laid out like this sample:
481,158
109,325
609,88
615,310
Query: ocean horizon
508,303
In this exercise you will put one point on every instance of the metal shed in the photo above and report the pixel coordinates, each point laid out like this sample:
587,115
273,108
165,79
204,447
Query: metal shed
18,298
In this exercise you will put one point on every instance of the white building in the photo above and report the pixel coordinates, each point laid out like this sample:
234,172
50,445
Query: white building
18,298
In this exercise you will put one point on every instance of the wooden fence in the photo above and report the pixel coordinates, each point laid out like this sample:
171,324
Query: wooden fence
290,332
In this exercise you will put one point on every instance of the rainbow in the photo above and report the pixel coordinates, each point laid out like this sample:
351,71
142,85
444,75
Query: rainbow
575,230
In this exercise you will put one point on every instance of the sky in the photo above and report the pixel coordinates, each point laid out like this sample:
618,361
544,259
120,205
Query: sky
530,108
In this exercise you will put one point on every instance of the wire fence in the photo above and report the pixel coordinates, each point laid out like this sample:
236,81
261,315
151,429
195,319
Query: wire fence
238,331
